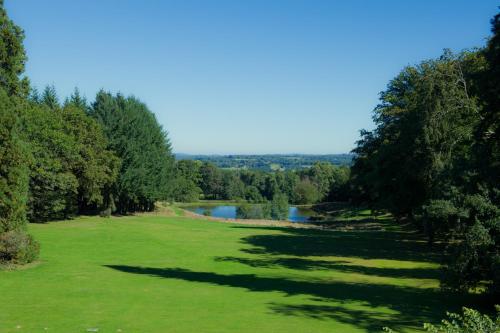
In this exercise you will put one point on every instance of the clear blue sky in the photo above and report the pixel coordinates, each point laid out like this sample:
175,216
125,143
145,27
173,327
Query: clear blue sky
253,76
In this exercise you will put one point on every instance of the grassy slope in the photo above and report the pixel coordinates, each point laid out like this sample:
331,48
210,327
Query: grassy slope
159,274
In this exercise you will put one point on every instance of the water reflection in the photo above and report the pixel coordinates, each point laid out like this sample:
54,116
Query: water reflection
295,214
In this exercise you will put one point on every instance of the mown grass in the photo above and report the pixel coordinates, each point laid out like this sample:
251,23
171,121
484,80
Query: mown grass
175,274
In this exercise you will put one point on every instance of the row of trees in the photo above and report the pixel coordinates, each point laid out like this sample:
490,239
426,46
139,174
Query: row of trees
434,157
321,182
62,159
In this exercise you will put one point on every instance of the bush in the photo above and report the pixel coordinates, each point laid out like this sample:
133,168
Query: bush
472,321
18,247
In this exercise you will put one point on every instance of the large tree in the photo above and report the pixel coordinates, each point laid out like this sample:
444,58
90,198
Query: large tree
15,244
135,136
12,56
13,168
72,170
424,125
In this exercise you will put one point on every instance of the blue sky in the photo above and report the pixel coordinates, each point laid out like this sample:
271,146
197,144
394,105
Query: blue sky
253,76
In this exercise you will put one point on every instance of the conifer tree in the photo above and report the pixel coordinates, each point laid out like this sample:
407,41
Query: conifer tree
12,56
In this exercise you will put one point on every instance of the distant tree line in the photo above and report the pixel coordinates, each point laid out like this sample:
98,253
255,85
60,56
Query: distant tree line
322,181
269,162
434,158
62,159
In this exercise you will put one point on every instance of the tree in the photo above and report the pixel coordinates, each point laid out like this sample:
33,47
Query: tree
77,100
279,207
49,98
15,244
13,168
53,186
306,192
424,127
134,135
211,181
12,56
252,194
95,167
232,186
321,175
339,187
433,158
253,212
186,180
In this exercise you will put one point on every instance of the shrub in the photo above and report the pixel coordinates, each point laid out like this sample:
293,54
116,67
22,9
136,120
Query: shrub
472,321
18,247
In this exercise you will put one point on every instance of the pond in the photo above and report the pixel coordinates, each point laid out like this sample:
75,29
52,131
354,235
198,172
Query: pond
295,214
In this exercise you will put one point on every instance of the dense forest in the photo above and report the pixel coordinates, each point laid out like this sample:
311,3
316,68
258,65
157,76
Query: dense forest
59,159
432,160
322,181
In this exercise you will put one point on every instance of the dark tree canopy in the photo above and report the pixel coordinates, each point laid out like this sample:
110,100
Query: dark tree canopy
134,134
434,158
13,168
12,56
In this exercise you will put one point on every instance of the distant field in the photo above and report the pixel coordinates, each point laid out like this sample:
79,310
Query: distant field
269,162
176,274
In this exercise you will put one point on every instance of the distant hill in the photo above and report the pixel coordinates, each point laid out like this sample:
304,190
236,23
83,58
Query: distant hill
268,162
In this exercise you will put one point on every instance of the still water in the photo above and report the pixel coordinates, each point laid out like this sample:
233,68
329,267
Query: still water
295,214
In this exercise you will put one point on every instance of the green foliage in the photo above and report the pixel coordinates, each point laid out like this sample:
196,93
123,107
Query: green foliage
424,129
252,194
471,321
279,207
185,183
13,168
475,255
72,169
233,187
53,187
434,158
211,181
323,181
146,172
185,190
49,98
95,166
12,56
17,247
306,192
269,162
255,212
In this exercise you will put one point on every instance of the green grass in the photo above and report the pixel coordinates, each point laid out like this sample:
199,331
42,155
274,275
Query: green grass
175,274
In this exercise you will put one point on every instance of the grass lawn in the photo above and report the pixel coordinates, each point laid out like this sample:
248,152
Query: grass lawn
176,274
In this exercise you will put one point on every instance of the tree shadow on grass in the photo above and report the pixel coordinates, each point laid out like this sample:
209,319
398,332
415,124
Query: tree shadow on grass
337,265
391,245
370,320
413,305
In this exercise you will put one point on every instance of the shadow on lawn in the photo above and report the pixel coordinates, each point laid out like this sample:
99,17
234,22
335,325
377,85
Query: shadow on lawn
367,306
413,305
394,245
337,265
